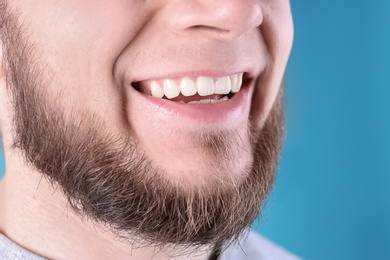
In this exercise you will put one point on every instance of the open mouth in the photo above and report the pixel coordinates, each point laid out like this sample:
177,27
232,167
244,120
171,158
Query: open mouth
198,90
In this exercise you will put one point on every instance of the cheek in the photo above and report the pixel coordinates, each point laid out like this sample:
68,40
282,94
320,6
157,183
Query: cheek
277,30
77,43
85,31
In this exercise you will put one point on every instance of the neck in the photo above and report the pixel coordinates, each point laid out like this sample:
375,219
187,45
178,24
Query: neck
36,215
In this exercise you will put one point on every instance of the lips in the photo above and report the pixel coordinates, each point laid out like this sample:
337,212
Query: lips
190,90
202,98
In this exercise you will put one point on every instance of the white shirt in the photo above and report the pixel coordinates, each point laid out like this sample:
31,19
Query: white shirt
254,247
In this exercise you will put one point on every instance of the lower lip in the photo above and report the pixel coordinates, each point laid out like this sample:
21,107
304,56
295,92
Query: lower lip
231,109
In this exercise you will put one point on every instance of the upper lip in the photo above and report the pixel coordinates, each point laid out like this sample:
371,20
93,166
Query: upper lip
214,73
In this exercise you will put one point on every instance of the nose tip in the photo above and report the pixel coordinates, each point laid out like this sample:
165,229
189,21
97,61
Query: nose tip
221,19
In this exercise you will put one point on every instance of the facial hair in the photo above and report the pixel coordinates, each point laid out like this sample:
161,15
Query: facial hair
108,177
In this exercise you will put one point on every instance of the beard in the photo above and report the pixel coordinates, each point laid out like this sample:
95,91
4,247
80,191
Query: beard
108,177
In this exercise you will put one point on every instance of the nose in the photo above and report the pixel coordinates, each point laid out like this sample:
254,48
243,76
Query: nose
218,19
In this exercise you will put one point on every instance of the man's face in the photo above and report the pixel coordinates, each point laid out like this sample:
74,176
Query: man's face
87,79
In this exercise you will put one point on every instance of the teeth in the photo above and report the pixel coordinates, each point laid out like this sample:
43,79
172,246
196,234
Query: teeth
223,86
171,89
219,100
203,86
156,90
187,87
233,81
202,101
209,101
237,83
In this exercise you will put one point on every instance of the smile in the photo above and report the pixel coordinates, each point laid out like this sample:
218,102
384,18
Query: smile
215,100
190,90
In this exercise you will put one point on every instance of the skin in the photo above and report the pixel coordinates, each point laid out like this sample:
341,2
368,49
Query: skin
93,51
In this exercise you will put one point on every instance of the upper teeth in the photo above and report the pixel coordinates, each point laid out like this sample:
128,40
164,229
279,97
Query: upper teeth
203,86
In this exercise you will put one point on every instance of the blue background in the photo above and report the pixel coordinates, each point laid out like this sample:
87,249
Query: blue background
331,199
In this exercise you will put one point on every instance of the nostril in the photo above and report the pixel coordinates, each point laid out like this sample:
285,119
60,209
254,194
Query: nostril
219,32
217,19
209,28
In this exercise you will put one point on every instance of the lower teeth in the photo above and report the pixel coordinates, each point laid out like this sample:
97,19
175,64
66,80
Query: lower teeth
209,101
